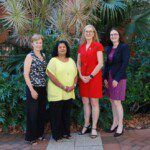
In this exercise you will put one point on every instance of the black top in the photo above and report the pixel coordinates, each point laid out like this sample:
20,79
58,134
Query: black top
119,62
37,71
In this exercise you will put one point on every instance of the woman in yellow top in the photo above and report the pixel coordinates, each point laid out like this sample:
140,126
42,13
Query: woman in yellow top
62,73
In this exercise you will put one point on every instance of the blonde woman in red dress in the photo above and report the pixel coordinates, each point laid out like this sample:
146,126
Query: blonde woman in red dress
90,63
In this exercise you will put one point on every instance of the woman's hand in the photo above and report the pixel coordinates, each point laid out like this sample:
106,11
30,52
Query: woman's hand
85,79
70,88
34,94
106,83
114,83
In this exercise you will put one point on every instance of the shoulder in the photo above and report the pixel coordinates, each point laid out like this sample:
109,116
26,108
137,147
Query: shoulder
98,46
29,57
53,59
107,49
125,48
28,60
71,60
80,47
124,45
52,62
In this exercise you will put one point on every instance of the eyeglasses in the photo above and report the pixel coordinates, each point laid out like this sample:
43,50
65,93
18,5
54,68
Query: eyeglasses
115,34
89,32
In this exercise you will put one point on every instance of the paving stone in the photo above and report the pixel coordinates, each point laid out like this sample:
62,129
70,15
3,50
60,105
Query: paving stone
80,142
112,147
146,147
79,148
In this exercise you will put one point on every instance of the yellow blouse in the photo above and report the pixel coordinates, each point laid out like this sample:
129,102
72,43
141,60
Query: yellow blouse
65,72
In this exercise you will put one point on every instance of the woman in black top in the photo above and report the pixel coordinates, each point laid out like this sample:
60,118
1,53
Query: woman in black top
35,78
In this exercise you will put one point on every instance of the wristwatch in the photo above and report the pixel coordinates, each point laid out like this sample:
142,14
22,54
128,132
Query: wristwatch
91,76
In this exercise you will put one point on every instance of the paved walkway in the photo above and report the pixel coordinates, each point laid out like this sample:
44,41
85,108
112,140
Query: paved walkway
130,140
78,142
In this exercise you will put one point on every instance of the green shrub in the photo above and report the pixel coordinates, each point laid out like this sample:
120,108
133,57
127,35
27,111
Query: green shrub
12,87
138,86
12,100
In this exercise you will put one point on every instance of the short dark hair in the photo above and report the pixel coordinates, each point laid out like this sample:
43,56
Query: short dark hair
121,39
55,51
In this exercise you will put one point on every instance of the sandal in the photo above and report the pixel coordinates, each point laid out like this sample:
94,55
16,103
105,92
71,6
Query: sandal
88,130
33,142
111,131
42,138
59,140
93,136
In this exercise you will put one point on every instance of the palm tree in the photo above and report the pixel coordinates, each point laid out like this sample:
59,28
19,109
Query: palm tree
65,18
70,17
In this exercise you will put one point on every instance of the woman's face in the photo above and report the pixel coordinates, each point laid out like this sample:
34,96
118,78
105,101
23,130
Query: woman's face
62,49
114,36
37,44
89,33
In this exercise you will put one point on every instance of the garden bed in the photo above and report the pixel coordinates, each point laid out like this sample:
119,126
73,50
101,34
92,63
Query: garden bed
138,121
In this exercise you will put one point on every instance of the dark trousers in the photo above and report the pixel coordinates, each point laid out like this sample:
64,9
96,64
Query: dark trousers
60,118
35,114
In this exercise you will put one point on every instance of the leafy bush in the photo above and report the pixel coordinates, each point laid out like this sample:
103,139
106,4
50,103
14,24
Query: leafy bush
138,87
12,100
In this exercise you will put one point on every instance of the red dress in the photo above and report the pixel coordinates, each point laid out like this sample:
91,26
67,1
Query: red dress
92,89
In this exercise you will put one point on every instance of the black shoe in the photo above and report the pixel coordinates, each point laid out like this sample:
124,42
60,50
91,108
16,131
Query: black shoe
88,130
118,134
111,131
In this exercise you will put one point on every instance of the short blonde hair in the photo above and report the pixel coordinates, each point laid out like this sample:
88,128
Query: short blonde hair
95,38
36,37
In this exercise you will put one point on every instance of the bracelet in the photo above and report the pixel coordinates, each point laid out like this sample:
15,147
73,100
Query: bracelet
91,76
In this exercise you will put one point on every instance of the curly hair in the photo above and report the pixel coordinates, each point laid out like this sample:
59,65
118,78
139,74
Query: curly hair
55,51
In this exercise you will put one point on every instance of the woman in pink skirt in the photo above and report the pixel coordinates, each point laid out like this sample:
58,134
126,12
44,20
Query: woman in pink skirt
118,55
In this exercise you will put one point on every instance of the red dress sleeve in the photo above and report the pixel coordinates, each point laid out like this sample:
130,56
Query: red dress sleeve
99,47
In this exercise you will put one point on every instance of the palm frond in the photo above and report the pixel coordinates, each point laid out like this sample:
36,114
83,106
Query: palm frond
139,25
113,10
16,15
